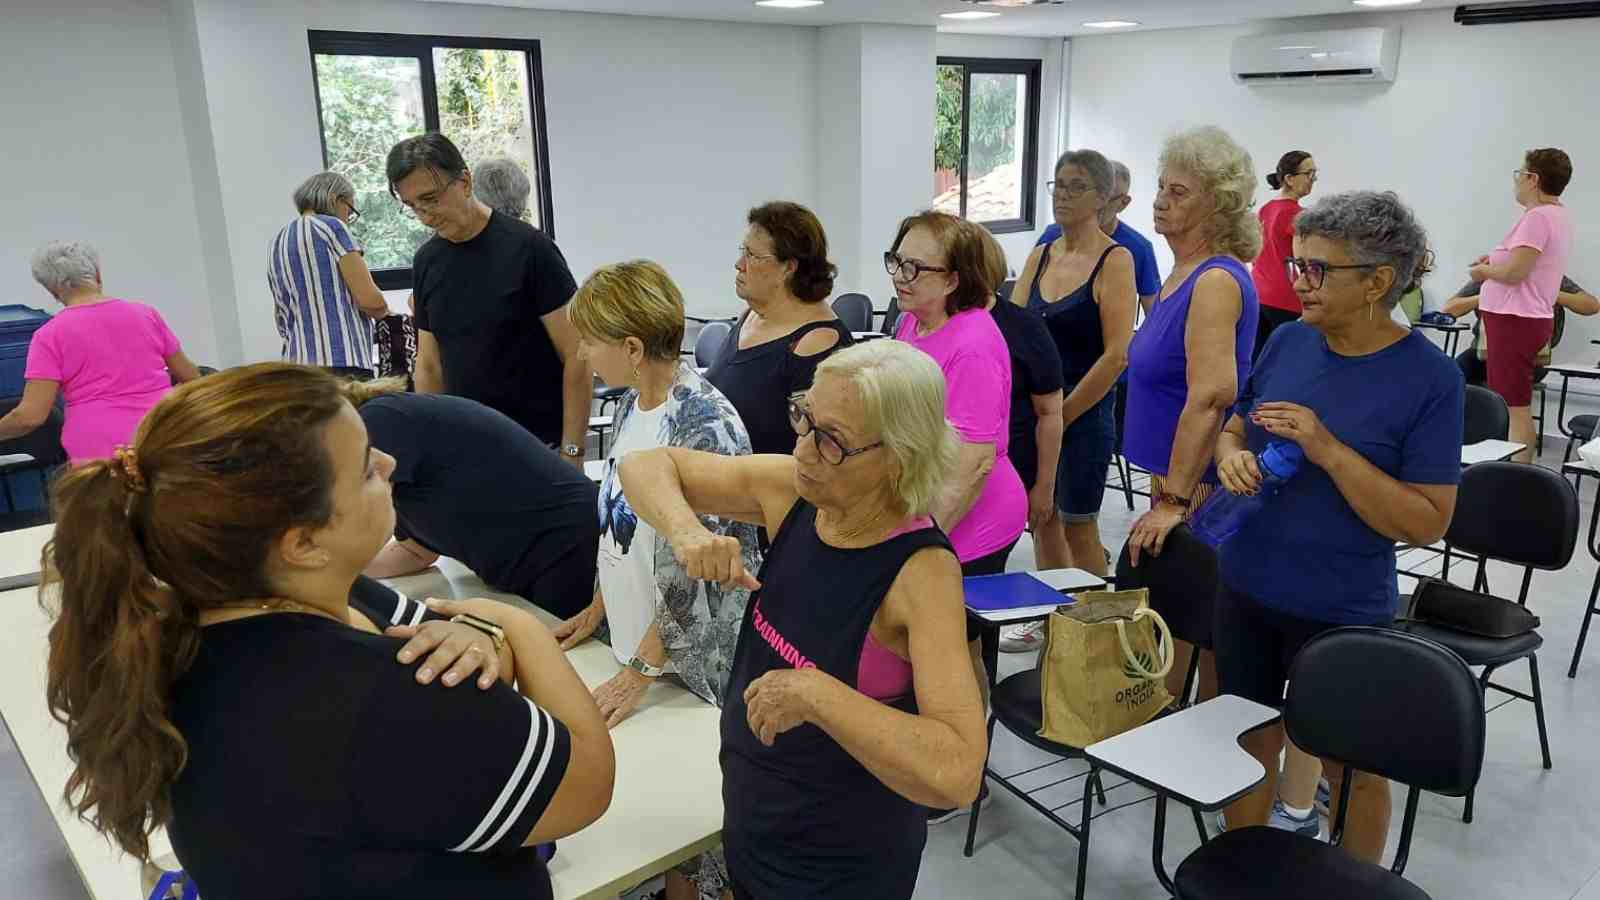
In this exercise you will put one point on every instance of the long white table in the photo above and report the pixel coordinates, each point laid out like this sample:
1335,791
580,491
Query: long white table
1489,451
19,553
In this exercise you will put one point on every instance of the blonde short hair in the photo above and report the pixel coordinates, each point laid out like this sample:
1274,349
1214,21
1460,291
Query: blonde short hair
902,393
359,392
634,299
994,259
1227,173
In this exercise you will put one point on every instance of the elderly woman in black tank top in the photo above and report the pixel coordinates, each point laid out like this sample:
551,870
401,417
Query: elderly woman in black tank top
783,273
853,704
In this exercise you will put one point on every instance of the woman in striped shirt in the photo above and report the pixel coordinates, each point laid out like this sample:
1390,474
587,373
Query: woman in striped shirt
324,298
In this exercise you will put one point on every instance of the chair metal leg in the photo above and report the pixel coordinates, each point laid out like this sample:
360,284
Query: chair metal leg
1200,825
1083,833
1466,815
1127,479
1099,789
1538,707
1583,631
977,805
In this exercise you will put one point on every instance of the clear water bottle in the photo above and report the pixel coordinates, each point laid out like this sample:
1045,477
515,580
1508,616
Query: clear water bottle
1224,512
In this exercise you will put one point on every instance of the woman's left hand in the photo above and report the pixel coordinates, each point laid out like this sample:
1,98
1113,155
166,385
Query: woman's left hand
457,651
1479,272
620,696
778,701
1041,505
1297,423
1150,532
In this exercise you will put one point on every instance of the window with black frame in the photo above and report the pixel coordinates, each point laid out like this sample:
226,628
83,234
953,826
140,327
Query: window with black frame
986,137
373,90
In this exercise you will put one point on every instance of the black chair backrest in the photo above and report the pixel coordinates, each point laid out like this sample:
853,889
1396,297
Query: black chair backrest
854,310
1517,513
1182,583
708,345
891,316
42,443
1485,417
1389,703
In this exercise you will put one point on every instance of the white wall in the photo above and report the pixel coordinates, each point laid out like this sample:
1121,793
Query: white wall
94,139
1446,135
662,132
1051,115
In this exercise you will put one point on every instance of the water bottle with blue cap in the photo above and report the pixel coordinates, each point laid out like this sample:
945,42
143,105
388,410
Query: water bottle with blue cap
1224,512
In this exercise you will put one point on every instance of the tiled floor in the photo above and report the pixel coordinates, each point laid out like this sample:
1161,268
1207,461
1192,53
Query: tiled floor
1537,834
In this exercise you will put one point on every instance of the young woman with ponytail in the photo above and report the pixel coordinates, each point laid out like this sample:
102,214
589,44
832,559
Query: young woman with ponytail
1294,180
214,679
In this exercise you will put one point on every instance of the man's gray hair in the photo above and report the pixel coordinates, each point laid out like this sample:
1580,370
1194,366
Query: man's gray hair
318,193
1121,175
502,185
1376,228
1095,165
61,266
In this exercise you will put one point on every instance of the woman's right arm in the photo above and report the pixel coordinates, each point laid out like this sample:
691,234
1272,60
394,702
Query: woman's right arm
363,290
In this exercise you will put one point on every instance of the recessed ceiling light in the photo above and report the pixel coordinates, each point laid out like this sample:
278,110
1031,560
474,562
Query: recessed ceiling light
969,14
1297,47
1386,2
1112,23
789,4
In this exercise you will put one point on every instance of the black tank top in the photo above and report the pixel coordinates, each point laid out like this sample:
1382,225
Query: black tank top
803,818
1073,320
758,381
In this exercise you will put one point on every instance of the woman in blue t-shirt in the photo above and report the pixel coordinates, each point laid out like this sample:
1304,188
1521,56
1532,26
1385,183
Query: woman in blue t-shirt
1376,409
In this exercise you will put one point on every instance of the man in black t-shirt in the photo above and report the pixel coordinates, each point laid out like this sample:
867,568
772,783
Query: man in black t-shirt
491,293
471,484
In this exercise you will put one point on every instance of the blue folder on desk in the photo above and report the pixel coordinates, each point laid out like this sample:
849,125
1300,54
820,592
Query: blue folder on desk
1013,590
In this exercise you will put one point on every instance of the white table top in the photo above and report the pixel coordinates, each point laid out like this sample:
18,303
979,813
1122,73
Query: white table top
667,805
1064,580
1575,371
20,550
1212,768
595,469
1489,451
867,335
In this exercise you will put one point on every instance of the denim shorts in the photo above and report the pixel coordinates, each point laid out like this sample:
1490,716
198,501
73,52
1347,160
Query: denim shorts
1085,458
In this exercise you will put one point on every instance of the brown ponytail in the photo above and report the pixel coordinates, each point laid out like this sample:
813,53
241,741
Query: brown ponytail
220,469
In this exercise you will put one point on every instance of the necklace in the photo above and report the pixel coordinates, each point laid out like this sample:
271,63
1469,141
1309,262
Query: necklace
276,605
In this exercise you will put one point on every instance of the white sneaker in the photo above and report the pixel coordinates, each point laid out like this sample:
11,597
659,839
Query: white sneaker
1024,638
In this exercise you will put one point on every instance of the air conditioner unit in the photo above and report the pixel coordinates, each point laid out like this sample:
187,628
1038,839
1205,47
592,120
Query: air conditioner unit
1317,57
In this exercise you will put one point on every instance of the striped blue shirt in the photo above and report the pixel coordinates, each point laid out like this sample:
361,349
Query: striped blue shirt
317,318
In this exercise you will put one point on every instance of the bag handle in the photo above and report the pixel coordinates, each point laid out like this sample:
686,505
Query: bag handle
1165,649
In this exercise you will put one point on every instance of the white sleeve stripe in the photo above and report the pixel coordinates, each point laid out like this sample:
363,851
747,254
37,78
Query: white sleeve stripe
532,785
399,613
416,617
534,729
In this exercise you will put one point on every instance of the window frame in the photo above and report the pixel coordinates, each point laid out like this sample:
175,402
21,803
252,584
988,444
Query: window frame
1033,70
420,47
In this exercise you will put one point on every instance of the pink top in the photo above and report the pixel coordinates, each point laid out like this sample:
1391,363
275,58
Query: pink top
881,674
977,373
1549,230
110,360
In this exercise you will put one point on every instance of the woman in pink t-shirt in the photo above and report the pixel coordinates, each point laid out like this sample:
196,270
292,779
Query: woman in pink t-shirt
937,265
1520,281
111,359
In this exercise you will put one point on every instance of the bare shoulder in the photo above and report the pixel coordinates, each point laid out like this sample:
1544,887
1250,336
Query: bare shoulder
930,579
819,340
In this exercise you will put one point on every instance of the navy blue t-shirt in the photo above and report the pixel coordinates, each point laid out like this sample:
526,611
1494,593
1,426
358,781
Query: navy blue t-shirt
1035,370
1146,274
1306,552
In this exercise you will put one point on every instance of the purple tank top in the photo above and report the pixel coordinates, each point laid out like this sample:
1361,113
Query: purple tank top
1158,380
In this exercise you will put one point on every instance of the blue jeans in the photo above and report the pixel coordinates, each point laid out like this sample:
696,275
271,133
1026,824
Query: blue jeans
1086,449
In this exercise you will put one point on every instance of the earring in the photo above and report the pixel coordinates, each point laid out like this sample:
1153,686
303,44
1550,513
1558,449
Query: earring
1369,311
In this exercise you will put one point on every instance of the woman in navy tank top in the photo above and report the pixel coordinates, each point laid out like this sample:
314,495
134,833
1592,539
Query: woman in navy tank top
853,705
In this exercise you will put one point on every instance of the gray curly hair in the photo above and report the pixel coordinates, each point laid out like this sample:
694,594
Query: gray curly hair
62,266
503,186
1378,230
1227,173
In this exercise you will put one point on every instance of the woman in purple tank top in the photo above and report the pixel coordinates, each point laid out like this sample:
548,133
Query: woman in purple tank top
1192,354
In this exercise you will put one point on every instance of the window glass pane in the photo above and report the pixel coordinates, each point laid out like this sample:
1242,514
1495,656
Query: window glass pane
947,141
370,103
484,108
994,146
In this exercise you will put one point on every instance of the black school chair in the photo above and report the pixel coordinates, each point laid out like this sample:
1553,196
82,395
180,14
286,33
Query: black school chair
41,446
1380,701
708,346
854,311
1484,416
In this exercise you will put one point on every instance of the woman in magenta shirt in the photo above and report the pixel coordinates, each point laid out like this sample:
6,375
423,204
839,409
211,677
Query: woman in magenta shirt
112,359
1294,179
1520,281
938,271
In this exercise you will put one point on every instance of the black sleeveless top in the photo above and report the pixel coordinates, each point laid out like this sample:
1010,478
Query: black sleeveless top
758,381
1073,320
803,818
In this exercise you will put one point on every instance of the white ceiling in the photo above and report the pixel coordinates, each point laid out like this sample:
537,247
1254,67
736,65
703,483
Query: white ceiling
1044,21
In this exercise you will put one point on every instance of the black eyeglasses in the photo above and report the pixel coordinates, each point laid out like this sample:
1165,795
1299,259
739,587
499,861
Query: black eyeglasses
1071,190
1315,271
828,446
907,270
355,214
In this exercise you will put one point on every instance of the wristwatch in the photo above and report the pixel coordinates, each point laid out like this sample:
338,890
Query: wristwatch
572,450
495,632
645,669
1173,499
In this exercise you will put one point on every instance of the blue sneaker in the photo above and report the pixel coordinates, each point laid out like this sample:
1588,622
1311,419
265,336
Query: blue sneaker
1310,826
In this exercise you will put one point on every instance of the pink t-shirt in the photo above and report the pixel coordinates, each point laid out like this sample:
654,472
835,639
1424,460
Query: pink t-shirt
977,373
110,359
1549,230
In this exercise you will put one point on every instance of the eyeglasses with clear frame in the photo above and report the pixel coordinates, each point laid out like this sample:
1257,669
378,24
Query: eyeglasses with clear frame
828,446
428,202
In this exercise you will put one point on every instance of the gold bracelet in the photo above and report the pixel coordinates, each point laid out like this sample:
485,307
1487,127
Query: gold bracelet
495,632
